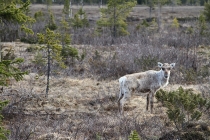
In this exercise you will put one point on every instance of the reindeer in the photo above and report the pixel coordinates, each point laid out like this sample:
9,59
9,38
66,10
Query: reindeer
145,82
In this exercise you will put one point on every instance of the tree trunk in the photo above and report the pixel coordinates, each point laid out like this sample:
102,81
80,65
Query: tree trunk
70,9
159,15
48,70
81,4
0,50
100,5
114,24
150,12
173,4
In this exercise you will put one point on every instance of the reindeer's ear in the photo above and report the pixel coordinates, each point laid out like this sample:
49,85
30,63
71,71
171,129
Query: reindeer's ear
172,65
160,65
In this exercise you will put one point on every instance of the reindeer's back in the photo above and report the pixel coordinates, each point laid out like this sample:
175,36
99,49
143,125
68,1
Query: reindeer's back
142,79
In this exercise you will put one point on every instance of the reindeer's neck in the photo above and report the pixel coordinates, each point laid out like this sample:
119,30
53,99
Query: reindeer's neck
162,81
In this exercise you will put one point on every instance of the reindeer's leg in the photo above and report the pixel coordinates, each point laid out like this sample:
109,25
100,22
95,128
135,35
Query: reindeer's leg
120,102
148,101
152,101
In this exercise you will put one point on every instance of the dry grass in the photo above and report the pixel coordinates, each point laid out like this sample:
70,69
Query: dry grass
82,107
78,109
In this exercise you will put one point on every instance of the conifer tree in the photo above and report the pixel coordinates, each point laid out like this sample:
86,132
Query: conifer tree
206,11
174,3
48,3
175,23
67,8
160,3
202,27
3,131
67,50
10,13
38,16
150,4
134,136
114,16
51,24
80,19
53,48
65,32
9,70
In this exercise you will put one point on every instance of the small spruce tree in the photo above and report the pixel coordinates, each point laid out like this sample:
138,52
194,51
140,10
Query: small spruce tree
65,32
114,17
67,50
53,48
151,5
51,24
134,136
3,131
8,69
175,23
48,3
206,11
80,19
202,27
11,13
39,15
67,10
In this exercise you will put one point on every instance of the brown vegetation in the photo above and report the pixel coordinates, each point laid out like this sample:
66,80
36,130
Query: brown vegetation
82,101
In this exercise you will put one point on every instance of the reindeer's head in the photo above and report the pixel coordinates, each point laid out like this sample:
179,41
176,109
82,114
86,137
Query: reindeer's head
166,69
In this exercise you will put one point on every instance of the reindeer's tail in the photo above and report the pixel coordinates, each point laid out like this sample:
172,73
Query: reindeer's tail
122,81
122,84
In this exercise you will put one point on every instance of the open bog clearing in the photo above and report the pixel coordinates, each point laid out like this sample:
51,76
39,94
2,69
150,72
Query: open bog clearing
82,99
139,12
82,105
77,108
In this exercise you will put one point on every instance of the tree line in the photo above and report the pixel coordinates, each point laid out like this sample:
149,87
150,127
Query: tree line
139,2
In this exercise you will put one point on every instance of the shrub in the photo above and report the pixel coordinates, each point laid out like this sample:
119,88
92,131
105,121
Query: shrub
190,75
38,15
3,131
146,61
175,23
52,25
8,54
39,60
183,106
80,19
202,27
69,52
134,136
97,63
206,11
204,71
30,40
193,136
31,48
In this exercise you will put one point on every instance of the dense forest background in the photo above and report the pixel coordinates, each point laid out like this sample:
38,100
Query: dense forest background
140,2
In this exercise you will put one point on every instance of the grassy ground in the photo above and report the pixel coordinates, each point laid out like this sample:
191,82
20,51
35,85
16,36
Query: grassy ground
79,108
82,107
